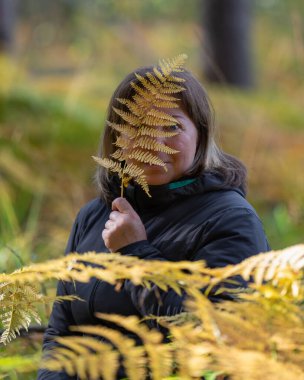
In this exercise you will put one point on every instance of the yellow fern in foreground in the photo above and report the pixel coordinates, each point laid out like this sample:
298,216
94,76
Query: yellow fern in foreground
18,307
259,336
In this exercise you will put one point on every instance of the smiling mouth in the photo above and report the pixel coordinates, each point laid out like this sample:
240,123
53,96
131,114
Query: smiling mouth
154,165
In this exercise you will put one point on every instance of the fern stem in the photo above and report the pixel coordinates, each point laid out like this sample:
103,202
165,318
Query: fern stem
121,189
122,180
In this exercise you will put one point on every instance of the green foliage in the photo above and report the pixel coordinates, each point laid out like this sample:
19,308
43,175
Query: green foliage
18,363
30,176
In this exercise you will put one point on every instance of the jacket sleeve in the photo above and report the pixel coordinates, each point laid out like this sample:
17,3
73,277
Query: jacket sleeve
60,320
227,238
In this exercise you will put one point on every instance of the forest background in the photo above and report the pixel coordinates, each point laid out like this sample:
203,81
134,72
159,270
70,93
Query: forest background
58,73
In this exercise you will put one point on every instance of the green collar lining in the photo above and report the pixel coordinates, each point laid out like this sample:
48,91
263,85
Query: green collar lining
176,185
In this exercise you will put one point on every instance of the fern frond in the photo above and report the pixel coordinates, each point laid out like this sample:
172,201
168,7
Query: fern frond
143,97
166,104
122,142
162,115
134,359
147,157
128,117
17,309
145,114
170,88
109,164
84,357
159,355
174,64
152,132
132,106
146,83
154,80
124,129
270,266
203,309
252,365
151,144
112,268
143,93
119,155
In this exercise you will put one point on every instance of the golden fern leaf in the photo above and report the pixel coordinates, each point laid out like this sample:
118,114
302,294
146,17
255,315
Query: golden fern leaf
151,144
172,65
128,117
145,95
122,142
172,78
203,309
159,355
146,112
269,266
132,106
162,115
133,171
152,132
17,309
83,356
147,157
119,155
159,75
124,129
154,80
112,268
284,269
166,98
148,85
166,104
109,164
134,359
170,88
252,365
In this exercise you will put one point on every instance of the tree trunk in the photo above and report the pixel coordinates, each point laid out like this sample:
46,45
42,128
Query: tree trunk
227,49
7,25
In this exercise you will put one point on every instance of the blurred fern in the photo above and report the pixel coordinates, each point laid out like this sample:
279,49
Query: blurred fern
260,335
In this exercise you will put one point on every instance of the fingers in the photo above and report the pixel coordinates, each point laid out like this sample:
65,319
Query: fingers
123,227
109,224
123,206
114,216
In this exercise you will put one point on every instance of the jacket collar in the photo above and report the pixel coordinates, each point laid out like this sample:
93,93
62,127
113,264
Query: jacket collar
164,195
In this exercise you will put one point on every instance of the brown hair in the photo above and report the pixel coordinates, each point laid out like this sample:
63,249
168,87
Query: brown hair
195,102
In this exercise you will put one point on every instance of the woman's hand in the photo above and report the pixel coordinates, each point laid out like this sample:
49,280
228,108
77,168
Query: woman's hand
124,226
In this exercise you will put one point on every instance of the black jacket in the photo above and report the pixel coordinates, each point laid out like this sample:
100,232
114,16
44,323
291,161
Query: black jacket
200,220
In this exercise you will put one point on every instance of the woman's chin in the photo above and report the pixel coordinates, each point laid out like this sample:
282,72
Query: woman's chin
155,180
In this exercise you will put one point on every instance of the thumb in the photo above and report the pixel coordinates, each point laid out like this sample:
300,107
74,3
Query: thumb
122,205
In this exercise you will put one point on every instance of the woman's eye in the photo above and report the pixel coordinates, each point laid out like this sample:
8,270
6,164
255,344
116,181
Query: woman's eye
172,128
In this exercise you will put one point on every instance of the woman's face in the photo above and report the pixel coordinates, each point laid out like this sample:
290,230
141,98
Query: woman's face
177,164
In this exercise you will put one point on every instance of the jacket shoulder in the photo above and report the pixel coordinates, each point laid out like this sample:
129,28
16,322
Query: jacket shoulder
93,207
215,203
86,218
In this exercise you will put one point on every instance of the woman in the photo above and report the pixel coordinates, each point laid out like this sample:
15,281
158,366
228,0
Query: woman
197,211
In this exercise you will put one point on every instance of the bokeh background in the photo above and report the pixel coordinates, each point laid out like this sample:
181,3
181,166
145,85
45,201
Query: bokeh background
60,62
